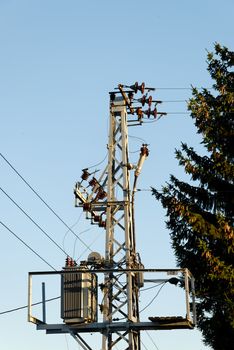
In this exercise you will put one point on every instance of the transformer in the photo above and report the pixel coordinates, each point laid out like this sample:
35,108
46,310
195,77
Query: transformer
78,296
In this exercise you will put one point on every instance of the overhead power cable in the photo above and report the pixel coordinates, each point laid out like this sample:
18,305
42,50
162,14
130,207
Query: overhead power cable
184,88
178,113
25,306
167,101
34,222
161,191
47,205
156,347
153,297
144,346
93,166
26,245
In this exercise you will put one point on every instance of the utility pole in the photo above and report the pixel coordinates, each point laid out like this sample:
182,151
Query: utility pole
108,202
121,290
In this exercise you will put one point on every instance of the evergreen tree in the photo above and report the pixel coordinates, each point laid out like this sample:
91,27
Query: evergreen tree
200,213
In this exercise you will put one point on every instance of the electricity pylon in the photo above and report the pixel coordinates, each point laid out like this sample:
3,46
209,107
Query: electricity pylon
109,203
121,289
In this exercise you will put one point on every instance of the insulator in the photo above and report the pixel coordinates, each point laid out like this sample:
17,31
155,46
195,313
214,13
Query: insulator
147,112
86,207
112,96
137,87
155,112
93,182
174,280
149,100
85,174
134,87
71,262
130,96
144,150
142,100
96,218
142,88
102,224
68,261
101,194
139,113
145,100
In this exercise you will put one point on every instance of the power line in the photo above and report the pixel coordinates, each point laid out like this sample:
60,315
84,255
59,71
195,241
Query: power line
22,241
144,346
25,306
66,341
93,166
152,287
77,221
47,205
167,101
156,347
34,222
177,112
183,88
161,191
153,297
80,256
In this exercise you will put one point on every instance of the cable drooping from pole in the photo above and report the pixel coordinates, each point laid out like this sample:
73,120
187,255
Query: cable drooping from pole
26,306
152,300
43,201
26,245
34,222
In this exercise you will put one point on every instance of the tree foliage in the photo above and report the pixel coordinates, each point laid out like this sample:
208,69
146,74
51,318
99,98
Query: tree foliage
200,213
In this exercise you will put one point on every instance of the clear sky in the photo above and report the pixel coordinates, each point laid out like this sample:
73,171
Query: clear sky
58,61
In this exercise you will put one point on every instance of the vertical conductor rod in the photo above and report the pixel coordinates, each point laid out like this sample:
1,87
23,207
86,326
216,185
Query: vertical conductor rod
43,303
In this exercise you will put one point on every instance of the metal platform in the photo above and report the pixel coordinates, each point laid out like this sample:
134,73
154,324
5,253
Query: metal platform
157,323
172,322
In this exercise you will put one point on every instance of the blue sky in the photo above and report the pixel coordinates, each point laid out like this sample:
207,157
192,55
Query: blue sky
58,61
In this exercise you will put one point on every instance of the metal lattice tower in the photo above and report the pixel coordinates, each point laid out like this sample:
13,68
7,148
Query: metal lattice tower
121,290
109,203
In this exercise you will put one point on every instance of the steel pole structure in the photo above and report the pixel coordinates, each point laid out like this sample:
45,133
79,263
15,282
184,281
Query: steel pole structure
120,289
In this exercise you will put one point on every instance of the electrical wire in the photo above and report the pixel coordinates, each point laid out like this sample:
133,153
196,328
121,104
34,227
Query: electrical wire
26,306
156,347
33,221
148,121
165,101
183,88
134,151
93,166
168,101
65,235
176,113
144,346
153,298
137,138
152,287
47,205
74,247
96,238
66,341
22,241
150,190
